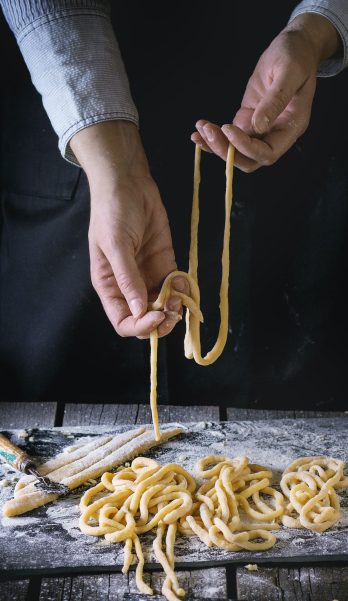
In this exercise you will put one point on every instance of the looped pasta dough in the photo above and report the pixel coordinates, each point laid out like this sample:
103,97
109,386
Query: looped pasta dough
310,484
194,317
146,496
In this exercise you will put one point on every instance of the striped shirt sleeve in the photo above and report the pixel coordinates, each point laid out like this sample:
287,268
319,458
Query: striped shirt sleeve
335,11
75,63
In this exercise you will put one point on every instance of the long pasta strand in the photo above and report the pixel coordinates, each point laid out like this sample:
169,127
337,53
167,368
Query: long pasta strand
192,342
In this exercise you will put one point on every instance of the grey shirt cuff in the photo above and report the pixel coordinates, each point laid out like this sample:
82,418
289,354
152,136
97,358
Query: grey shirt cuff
75,63
335,11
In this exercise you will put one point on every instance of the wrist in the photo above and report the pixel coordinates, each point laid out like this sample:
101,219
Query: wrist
319,33
109,152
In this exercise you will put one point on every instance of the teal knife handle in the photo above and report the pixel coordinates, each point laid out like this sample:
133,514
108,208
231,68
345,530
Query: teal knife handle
13,455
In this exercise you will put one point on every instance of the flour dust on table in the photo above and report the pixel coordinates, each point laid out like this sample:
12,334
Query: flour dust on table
49,538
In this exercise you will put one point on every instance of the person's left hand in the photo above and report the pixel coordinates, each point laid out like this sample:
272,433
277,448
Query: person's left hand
277,102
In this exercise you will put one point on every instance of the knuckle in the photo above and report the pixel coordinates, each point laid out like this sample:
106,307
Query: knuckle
248,169
303,126
95,279
120,332
279,102
267,162
120,329
125,282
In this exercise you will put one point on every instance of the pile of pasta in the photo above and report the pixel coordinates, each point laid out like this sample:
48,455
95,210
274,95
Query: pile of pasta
233,507
310,485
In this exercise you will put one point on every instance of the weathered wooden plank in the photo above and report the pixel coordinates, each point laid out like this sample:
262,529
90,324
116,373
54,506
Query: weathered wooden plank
235,413
50,537
87,414
27,415
199,584
15,590
305,583
177,413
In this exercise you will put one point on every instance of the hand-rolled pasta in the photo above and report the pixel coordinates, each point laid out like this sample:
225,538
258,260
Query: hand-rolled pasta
234,490
310,484
234,508
137,500
146,496
194,317
88,461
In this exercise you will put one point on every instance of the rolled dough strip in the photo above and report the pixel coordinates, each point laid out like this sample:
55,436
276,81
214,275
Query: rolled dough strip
135,447
27,501
88,455
91,458
65,458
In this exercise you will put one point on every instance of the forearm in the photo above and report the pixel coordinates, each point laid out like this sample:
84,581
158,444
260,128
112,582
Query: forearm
75,63
325,22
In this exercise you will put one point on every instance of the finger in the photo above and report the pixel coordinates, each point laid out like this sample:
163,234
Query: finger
181,284
244,163
197,139
243,120
252,148
173,304
124,323
128,278
263,152
172,318
283,88
214,138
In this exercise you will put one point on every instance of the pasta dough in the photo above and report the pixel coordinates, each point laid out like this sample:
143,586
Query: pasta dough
310,484
234,507
146,496
88,461
194,317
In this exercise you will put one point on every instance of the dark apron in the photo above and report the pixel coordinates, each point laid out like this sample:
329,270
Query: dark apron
288,317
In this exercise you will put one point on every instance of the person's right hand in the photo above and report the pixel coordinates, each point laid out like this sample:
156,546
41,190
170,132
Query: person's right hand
277,102
130,244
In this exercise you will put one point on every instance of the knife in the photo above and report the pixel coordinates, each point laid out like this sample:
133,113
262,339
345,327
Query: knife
21,461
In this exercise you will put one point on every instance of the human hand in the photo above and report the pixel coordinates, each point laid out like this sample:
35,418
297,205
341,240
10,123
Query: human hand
277,102
130,244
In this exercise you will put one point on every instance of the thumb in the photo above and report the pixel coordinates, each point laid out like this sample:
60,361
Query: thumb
275,101
129,279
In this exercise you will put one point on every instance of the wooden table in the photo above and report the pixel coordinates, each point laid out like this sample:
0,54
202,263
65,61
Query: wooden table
295,583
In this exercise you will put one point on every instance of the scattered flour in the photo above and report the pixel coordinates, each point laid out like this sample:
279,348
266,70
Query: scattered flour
23,434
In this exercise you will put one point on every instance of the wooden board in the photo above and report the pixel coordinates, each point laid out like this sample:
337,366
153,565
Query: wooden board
49,538
207,584
17,590
39,415
301,584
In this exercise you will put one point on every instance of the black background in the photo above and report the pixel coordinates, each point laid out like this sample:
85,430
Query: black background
288,305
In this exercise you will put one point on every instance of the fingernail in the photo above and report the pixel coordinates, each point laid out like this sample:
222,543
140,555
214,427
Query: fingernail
209,133
226,128
136,306
174,303
179,284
